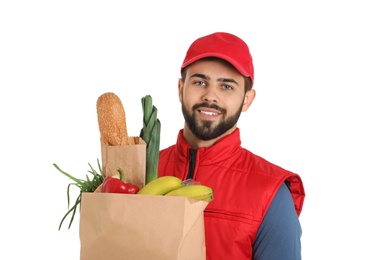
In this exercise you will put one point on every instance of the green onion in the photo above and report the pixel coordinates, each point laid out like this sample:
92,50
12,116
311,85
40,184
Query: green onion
88,185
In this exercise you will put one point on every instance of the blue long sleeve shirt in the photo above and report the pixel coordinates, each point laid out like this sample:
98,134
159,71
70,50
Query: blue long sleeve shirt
278,237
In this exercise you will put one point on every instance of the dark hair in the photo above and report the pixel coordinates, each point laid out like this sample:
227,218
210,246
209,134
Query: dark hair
247,80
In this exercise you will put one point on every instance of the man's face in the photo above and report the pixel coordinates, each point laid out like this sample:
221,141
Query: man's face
212,98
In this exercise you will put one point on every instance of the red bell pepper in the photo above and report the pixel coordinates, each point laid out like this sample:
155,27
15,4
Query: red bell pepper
114,185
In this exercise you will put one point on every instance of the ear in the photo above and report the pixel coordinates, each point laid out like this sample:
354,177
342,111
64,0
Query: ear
180,86
248,99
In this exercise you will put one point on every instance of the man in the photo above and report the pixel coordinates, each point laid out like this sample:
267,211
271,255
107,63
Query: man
254,214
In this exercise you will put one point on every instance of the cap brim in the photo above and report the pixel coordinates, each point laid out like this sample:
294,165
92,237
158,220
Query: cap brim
236,65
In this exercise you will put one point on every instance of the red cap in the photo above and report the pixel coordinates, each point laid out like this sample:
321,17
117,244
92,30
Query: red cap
225,46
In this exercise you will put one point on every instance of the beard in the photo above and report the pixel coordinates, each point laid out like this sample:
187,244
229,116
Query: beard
204,130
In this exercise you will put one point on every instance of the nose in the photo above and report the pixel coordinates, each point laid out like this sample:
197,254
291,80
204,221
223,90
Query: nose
210,94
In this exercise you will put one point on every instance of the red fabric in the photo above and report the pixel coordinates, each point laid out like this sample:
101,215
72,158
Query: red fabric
244,185
225,46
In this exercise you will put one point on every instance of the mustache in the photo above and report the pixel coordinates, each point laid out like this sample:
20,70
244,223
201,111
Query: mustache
213,106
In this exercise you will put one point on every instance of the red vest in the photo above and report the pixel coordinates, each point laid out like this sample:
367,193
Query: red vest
244,185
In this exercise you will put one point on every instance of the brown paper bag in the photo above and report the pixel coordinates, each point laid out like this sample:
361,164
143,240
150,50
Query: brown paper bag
130,158
141,227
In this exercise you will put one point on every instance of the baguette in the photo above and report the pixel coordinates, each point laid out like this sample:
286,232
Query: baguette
112,120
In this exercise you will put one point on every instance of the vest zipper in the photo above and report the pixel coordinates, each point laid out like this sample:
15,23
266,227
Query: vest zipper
192,161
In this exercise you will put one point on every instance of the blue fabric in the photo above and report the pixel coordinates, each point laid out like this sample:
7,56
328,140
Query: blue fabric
278,237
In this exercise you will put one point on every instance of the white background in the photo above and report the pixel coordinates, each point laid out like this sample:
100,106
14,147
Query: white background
310,114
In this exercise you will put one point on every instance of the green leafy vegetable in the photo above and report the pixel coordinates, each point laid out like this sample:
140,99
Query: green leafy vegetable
88,185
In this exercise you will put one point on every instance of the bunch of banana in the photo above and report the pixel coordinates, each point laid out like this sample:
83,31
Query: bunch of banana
173,186
195,191
161,185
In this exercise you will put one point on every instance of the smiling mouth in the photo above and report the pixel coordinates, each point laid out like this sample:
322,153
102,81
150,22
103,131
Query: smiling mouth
208,113
209,110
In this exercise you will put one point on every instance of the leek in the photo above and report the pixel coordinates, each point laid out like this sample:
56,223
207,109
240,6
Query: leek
150,133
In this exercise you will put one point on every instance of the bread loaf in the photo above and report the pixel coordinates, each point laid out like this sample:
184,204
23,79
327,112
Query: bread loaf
112,120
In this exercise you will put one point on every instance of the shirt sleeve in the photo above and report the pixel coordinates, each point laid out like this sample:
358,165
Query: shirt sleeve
279,236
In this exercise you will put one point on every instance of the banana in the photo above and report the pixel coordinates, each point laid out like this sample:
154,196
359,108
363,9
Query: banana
196,191
161,185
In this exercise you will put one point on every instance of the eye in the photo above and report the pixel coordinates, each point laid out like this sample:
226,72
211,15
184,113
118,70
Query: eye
227,87
200,83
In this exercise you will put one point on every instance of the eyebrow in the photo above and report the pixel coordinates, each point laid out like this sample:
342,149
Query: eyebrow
226,80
